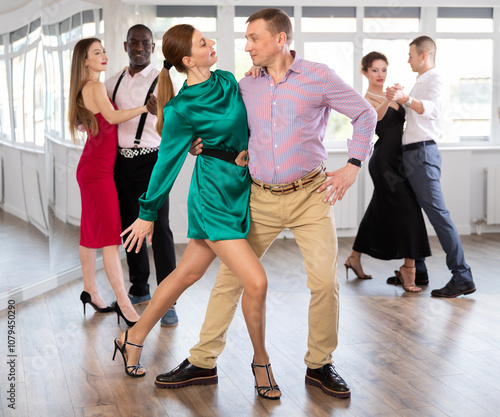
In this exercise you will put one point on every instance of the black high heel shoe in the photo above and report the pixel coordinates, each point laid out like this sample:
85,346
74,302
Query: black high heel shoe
87,299
263,390
130,370
119,313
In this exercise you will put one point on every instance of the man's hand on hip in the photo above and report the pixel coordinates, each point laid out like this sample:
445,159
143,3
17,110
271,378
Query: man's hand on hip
340,180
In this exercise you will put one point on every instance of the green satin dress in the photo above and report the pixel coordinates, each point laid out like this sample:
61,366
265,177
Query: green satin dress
218,201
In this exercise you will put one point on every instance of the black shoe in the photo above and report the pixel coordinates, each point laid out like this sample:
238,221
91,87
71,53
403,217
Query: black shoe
421,278
263,390
187,374
328,380
452,290
86,298
119,314
135,371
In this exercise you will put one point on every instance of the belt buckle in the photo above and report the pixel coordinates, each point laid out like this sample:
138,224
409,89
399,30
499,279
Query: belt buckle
127,153
277,190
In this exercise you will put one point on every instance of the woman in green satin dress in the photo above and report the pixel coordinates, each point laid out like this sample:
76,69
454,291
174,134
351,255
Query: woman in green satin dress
208,106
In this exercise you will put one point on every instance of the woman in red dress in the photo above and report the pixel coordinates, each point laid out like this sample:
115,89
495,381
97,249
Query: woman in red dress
90,107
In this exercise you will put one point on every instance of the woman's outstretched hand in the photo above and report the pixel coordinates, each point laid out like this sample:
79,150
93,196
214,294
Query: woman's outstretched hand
139,230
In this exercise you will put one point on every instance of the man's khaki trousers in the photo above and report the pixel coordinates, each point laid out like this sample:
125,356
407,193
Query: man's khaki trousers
313,226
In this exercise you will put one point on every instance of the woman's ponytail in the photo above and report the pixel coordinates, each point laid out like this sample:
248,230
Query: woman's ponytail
165,93
176,44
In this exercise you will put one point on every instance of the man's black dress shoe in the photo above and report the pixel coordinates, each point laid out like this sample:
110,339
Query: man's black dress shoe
421,278
452,290
328,380
187,374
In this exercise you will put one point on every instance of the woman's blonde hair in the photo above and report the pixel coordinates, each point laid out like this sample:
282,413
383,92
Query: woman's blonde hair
177,43
78,114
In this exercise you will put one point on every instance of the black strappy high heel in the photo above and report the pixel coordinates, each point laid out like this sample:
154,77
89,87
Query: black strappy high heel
130,370
119,313
263,390
86,298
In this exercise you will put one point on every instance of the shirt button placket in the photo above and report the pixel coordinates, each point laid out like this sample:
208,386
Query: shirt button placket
273,121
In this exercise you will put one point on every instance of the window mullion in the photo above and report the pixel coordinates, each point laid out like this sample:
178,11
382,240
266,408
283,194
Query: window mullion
428,18
225,26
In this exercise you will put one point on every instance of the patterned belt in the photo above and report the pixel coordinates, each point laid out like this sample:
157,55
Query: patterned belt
133,152
282,189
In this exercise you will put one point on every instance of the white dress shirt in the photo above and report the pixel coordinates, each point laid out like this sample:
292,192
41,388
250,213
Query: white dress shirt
429,89
132,93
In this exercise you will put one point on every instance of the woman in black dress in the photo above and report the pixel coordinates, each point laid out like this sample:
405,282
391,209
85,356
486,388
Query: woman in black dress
393,226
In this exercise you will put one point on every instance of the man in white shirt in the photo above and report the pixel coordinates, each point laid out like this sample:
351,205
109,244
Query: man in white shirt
138,145
422,159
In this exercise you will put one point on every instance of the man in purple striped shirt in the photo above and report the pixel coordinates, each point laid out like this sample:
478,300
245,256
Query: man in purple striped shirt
288,108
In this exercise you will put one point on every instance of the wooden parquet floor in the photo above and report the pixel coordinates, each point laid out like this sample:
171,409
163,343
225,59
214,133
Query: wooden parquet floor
402,354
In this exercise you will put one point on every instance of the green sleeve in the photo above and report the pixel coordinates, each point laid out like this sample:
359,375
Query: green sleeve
176,139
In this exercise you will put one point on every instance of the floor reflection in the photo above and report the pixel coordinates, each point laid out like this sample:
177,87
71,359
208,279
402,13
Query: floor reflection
28,256
24,253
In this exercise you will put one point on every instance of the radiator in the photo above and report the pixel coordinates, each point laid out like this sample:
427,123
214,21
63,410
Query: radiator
493,195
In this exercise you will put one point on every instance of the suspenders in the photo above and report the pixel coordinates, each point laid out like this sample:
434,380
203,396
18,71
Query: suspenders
142,121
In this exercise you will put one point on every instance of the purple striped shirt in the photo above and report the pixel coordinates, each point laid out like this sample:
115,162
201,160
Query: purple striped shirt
287,120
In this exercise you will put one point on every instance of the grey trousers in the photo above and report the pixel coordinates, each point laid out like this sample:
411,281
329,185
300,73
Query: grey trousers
423,168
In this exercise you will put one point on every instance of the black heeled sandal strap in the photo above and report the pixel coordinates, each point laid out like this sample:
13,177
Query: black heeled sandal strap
133,344
269,387
134,369
125,342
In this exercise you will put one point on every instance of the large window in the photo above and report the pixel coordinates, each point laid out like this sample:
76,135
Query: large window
391,19
328,19
339,56
58,42
465,19
4,96
469,98
468,40
340,36
203,18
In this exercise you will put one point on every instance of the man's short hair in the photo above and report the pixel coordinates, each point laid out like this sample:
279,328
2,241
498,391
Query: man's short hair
425,44
277,21
139,27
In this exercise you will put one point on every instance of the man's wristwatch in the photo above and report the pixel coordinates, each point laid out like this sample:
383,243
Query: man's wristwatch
408,102
354,161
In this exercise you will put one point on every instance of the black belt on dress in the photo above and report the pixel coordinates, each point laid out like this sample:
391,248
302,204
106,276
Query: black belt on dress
416,145
219,154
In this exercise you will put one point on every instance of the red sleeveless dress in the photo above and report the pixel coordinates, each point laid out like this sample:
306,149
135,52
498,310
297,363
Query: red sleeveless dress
100,221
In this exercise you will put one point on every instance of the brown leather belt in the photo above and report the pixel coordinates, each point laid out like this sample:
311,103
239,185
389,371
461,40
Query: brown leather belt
282,189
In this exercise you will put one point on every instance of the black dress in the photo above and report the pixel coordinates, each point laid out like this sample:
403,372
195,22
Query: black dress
393,226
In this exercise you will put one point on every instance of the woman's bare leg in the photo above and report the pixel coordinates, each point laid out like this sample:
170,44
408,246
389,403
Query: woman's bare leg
193,264
114,272
353,261
244,264
407,276
87,261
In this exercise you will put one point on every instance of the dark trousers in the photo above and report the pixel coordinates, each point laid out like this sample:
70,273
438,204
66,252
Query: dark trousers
132,179
423,169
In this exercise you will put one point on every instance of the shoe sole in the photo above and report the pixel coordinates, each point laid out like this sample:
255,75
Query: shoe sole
317,383
466,292
207,380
